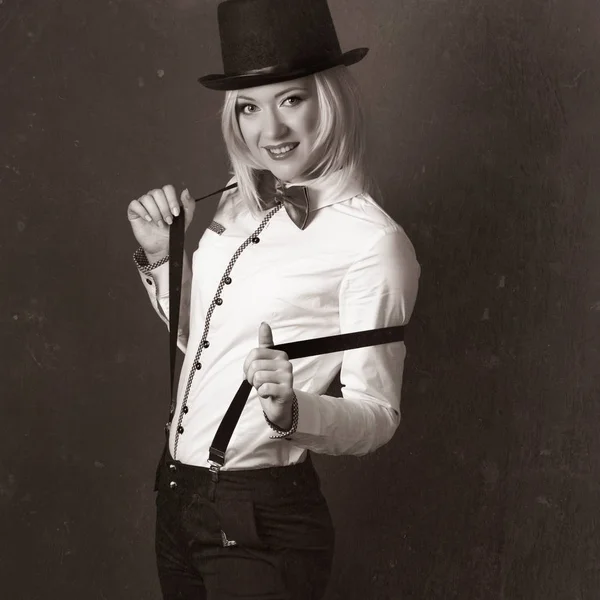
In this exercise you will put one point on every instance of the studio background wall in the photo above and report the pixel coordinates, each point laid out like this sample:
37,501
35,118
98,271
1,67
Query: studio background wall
485,141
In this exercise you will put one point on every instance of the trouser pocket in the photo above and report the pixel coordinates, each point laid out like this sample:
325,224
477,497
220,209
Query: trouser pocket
238,522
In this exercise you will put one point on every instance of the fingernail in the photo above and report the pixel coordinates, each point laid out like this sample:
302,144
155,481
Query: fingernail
169,220
161,224
148,218
176,211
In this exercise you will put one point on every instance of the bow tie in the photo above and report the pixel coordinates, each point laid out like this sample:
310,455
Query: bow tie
294,199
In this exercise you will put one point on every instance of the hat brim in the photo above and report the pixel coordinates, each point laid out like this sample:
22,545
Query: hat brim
279,73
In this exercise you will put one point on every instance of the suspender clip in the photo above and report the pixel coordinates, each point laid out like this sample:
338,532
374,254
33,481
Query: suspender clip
214,470
216,459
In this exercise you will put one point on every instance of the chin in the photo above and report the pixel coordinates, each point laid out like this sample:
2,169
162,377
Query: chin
285,172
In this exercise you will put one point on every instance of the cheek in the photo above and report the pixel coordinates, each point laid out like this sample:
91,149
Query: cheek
310,118
247,129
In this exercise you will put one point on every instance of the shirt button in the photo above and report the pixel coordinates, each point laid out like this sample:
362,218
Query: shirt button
227,280
186,410
219,301
206,343
198,366
255,240
180,429
173,485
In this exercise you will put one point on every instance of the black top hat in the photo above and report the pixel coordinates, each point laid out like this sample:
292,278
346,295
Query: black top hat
268,41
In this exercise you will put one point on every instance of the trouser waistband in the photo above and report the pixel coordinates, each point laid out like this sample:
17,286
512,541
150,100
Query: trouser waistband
174,475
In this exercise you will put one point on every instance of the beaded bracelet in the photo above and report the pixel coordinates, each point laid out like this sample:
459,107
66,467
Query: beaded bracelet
281,433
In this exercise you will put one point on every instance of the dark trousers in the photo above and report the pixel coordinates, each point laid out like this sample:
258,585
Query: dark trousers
262,534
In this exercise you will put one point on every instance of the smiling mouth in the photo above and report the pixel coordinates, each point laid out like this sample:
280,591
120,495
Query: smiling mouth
281,151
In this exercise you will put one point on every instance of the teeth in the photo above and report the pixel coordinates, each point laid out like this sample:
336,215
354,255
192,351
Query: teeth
281,150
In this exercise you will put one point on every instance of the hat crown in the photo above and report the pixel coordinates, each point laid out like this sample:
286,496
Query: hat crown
260,34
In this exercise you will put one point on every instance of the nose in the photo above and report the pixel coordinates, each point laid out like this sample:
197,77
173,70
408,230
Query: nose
273,126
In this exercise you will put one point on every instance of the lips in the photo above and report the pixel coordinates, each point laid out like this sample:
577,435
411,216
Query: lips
281,150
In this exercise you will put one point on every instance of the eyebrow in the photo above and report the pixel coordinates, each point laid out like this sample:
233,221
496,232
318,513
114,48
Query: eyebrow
283,93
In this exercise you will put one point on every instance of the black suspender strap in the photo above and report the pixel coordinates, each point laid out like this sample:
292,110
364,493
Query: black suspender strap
299,349
176,246
176,238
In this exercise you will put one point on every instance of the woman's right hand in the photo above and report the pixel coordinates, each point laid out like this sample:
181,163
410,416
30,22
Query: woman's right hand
150,217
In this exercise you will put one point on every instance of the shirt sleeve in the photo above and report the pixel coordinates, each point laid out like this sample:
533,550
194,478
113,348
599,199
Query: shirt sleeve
379,290
156,282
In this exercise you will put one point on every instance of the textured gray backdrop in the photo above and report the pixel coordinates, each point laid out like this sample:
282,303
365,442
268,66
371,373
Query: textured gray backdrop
484,125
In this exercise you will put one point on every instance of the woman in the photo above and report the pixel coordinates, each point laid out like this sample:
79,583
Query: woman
299,249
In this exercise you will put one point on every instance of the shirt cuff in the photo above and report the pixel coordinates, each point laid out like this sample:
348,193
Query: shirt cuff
155,276
282,433
309,419
141,261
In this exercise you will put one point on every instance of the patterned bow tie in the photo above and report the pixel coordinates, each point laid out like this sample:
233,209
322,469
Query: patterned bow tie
294,198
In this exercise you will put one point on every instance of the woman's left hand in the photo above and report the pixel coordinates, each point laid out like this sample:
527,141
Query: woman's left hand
272,374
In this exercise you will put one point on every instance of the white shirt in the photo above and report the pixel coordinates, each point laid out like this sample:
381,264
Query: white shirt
353,268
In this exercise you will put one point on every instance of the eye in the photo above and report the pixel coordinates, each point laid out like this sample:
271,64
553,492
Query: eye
292,100
247,109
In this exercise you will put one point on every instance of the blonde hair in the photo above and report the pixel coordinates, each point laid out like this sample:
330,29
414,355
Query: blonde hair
339,147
